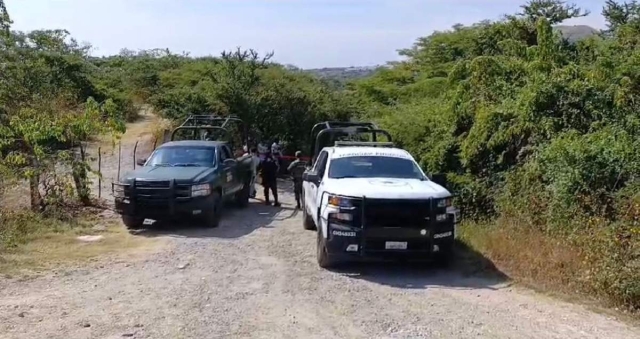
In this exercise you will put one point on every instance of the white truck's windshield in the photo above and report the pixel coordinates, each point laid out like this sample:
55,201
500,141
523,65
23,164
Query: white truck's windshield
183,156
374,167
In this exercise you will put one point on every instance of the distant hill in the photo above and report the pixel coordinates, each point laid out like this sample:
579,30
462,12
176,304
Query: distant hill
577,32
343,74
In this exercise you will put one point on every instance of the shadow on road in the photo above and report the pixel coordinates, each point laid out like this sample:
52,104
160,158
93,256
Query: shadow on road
469,270
235,222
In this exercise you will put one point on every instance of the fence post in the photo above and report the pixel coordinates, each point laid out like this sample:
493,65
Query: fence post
119,158
135,148
99,172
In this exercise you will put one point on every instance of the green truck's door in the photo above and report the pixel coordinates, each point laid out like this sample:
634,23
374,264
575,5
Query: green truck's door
230,168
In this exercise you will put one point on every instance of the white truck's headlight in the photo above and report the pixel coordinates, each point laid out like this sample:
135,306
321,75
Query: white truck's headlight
338,201
444,202
201,190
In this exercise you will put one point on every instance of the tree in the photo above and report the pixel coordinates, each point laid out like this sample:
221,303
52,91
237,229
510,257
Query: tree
620,14
5,20
554,11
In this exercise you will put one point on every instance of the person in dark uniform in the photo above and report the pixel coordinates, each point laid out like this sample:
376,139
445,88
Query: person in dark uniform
296,168
269,174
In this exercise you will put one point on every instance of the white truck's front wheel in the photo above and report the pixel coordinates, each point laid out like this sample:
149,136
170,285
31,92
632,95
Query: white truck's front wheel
324,260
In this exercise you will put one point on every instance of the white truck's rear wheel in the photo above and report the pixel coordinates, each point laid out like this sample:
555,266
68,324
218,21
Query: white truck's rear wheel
307,221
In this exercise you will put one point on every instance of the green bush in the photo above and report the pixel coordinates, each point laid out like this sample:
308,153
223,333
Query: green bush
534,132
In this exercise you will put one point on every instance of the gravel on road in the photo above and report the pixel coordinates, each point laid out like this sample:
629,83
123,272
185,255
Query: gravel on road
256,277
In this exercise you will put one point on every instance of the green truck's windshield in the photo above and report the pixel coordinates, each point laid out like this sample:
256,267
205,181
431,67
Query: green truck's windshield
183,156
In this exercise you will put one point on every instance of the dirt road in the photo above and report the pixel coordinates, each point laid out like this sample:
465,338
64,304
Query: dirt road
256,277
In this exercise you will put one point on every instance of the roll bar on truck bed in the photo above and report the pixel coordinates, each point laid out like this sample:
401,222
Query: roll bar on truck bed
327,133
196,123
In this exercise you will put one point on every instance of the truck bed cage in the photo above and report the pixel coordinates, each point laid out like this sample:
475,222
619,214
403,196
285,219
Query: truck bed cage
212,123
325,133
210,120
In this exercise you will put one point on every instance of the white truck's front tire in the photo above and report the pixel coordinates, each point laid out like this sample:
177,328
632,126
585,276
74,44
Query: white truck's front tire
322,254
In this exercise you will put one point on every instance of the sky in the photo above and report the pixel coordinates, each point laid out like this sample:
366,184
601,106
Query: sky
304,33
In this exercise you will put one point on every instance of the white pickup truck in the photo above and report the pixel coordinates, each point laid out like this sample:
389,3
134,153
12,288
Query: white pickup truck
370,198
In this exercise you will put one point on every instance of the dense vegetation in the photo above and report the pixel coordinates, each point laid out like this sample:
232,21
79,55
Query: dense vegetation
48,107
274,101
538,134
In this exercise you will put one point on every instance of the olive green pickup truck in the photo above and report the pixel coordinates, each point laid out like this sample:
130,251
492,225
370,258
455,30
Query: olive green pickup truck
185,178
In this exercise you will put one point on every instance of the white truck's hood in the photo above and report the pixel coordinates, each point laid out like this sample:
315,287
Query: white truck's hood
385,188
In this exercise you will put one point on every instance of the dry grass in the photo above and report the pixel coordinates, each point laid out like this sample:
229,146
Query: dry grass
546,263
527,256
147,127
53,247
147,130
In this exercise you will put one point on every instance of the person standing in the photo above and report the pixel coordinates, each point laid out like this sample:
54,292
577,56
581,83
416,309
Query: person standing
269,174
276,150
255,162
262,149
296,168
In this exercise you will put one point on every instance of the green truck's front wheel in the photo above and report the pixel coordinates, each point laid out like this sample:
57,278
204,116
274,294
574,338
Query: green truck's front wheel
243,195
214,214
132,222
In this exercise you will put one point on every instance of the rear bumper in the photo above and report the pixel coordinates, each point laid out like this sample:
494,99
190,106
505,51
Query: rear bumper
356,243
186,208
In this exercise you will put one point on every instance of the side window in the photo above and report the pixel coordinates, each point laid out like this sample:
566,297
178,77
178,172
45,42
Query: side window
225,154
322,164
317,163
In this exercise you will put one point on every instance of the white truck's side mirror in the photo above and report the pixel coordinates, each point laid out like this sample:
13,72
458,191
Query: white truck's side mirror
440,179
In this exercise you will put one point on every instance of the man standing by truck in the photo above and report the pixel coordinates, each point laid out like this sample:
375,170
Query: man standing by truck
296,168
269,169
255,162
276,151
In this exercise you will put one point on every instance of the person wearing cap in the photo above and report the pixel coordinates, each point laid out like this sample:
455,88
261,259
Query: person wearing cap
296,168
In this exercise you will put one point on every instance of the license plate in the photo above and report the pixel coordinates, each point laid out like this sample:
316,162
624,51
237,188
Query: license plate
147,222
395,245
